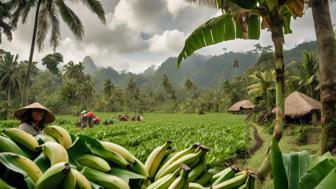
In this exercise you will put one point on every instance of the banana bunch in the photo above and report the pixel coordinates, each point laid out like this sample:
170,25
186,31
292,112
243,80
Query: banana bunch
54,159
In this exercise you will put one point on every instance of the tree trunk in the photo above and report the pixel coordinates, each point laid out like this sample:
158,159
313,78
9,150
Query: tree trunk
26,85
327,55
278,40
9,94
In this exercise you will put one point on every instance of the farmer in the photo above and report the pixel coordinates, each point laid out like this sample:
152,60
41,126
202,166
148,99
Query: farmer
90,118
96,120
33,118
83,119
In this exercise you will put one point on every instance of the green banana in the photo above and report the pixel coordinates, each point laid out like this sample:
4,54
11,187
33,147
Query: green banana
69,181
60,134
42,162
139,167
55,152
233,182
197,171
94,162
249,184
22,138
155,158
193,185
175,157
165,181
227,174
105,180
119,150
7,145
5,185
27,165
190,160
182,181
81,181
205,178
53,177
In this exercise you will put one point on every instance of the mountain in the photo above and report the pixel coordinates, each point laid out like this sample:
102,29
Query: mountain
204,71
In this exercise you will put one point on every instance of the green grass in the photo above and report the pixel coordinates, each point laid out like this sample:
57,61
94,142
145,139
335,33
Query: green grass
223,133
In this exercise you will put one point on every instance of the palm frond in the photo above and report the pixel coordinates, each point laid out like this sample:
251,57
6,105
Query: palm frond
71,19
96,7
42,26
209,3
55,25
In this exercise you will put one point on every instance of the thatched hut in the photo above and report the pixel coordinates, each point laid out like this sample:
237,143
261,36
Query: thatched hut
241,106
302,108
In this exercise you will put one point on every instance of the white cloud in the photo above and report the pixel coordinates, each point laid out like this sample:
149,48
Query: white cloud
169,41
175,6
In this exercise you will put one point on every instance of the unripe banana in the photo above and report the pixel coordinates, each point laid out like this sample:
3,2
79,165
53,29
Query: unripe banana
5,185
55,152
42,162
137,166
60,134
232,183
7,145
105,180
94,162
227,174
32,170
193,185
197,171
53,177
43,138
23,138
190,160
182,181
155,158
205,178
175,157
69,181
81,181
165,181
119,150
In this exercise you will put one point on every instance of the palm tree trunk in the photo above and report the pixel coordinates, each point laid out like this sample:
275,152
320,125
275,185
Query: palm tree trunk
278,40
327,55
26,85
9,94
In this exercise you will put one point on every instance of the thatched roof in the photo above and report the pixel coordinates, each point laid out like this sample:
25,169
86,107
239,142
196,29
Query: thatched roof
298,104
244,104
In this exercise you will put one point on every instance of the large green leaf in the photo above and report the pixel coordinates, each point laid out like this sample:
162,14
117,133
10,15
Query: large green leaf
253,27
278,167
314,176
216,30
296,164
250,4
328,182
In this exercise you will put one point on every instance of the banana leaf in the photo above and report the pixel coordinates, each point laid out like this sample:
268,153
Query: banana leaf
12,173
278,167
5,185
296,164
314,176
328,182
215,30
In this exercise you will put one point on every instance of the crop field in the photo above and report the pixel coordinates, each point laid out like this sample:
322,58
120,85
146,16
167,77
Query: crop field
223,133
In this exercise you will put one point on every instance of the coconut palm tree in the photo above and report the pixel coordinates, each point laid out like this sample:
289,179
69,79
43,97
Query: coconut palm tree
327,56
108,87
263,87
9,74
74,71
46,17
4,26
51,61
306,74
244,19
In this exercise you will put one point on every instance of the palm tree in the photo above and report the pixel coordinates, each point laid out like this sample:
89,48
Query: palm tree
327,56
51,61
74,71
241,19
85,89
306,74
4,26
47,17
108,87
263,86
9,74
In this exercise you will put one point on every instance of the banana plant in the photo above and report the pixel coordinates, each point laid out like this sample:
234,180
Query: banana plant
243,19
299,170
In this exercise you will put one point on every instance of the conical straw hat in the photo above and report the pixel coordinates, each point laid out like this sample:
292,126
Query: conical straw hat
48,117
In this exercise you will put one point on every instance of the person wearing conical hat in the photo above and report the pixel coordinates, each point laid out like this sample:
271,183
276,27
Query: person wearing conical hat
33,118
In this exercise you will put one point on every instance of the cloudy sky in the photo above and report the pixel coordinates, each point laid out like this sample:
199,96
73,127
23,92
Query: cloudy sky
141,33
